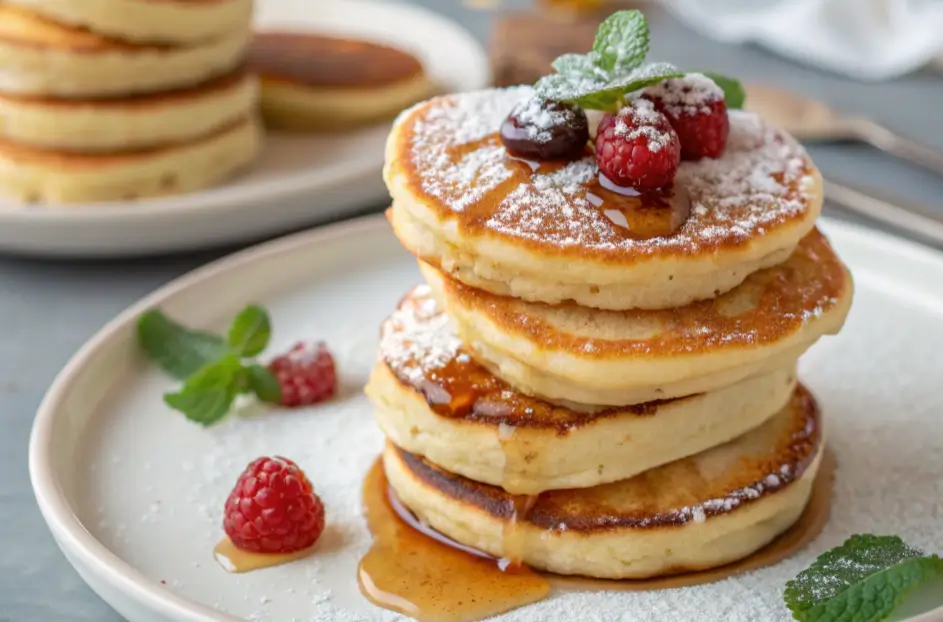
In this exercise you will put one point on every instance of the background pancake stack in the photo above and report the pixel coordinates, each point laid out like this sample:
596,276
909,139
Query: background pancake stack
590,384
120,99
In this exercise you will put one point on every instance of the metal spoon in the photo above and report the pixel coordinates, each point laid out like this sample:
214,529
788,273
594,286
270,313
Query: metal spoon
811,120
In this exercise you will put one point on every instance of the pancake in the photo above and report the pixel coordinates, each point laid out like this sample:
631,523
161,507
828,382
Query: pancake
590,356
147,21
551,232
432,399
36,175
124,123
353,82
40,57
697,513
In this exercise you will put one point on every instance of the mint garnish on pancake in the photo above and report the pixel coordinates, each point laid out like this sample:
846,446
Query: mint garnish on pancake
862,580
616,67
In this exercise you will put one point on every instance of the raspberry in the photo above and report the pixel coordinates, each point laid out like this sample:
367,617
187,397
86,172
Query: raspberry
696,108
306,374
273,508
638,147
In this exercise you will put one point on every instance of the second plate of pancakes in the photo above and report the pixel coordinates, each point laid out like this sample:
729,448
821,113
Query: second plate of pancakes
298,179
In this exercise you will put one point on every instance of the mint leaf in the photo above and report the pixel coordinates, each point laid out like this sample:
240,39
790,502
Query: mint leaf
862,580
621,42
209,393
568,87
595,96
580,65
264,384
178,350
250,331
734,93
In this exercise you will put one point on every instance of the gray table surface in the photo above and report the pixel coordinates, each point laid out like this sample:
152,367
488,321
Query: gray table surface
49,308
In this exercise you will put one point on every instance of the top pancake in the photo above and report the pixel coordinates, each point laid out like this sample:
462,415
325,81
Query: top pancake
546,231
341,63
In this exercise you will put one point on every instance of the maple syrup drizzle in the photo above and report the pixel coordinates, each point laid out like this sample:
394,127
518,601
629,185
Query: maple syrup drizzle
412,571
415,570
236,561
641,215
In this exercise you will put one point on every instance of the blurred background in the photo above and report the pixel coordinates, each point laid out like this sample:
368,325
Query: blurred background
817,63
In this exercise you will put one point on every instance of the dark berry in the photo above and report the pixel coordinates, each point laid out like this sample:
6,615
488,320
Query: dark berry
696,109
638,147
541,129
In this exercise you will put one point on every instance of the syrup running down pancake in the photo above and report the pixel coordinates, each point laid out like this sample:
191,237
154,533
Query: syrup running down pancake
432,399
552,231
591,356
700,512
317,82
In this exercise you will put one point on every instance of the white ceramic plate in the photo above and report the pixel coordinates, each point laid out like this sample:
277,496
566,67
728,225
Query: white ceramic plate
298,180
134,493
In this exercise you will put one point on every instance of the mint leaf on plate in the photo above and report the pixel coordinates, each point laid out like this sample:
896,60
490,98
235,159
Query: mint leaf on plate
178,350
250,331
214,370
209,393
862,580
264,384
621,42
734,93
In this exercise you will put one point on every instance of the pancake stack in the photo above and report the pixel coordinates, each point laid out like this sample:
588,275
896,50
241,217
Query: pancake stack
591,384
120,99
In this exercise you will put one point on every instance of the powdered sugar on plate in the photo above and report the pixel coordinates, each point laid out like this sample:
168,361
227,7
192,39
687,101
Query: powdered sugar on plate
763,180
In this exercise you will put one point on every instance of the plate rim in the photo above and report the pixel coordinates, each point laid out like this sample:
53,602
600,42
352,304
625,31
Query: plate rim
203,202
73,538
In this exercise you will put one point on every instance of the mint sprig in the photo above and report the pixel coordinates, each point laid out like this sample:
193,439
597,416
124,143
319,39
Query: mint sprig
601,79
621,42
862,580
215,370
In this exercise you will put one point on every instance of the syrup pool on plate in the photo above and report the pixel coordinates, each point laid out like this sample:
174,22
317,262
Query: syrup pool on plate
421,576
237,561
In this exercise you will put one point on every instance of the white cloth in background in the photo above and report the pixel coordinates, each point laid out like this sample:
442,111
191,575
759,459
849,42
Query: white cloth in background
864,39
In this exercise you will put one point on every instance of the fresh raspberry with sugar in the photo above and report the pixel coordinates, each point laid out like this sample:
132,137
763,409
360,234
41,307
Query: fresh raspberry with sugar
306,374
696,108
273,508
637,147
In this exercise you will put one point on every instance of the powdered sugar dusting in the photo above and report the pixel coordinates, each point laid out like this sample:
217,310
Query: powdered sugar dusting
539,119
646,125
689,95
763,180
417,338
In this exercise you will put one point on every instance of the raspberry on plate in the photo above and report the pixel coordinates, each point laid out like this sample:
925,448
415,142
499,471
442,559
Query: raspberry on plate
273,508
306,374
637,147
696,108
